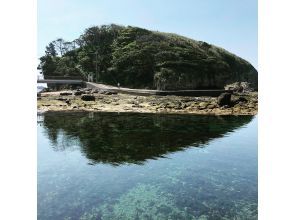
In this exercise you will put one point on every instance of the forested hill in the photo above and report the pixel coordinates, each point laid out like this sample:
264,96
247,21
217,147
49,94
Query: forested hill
139,58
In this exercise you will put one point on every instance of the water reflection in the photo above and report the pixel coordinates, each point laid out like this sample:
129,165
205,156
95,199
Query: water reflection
133,138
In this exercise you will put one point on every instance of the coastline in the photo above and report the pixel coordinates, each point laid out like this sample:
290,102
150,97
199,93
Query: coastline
66,101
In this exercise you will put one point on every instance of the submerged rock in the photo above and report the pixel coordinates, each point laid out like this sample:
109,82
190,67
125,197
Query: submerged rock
140,202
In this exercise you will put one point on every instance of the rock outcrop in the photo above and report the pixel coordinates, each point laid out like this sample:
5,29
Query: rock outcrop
240,87
224,99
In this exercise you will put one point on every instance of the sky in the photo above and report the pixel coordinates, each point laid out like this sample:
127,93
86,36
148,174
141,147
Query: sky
230,24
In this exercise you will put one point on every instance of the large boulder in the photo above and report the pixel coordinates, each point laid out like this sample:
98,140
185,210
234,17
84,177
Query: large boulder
88,98
224,99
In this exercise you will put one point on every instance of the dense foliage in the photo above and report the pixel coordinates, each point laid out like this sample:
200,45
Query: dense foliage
139,58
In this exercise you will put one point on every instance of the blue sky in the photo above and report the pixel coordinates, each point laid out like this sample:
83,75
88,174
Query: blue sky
231,24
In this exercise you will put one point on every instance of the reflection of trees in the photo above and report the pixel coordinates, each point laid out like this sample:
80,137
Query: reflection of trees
133,138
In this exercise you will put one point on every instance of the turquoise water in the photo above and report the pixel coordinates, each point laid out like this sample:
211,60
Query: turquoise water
146,166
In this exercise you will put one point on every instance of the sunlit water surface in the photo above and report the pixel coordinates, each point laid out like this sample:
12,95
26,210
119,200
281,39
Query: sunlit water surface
145,166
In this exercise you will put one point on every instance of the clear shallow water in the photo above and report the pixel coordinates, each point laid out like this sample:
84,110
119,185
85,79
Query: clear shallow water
145,166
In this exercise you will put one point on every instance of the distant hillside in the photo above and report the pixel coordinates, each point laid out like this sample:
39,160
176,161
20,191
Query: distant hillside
139,58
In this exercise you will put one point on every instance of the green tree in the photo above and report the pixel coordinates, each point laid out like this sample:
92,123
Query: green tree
50,50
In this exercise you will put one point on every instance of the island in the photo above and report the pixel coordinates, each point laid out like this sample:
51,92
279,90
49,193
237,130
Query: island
131,69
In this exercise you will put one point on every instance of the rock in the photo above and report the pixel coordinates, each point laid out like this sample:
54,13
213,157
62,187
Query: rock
174,105
237,109
110,93
251,105
225,107
88,98
254,100
79,92
106,101
236,86
211,106
239,87
237,100
67,102
202,105
61,99
242,99
137,106
47,90
184,105
246,87
65,93
224,99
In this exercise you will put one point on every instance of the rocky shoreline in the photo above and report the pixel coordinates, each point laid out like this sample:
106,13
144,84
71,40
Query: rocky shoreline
105,101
